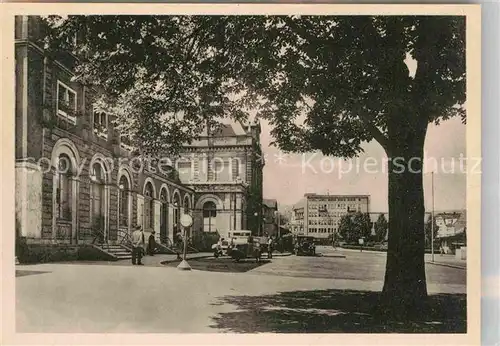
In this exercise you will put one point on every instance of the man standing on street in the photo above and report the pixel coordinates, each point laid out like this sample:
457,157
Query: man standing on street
270,246
137,245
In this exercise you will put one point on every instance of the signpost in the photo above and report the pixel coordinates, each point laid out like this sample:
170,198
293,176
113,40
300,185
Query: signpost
432,220
186,221
277,214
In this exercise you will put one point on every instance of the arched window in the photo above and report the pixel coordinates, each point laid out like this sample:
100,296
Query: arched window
148,206
124,201
177,211
97,195
163,196
63,200
209,216
186,206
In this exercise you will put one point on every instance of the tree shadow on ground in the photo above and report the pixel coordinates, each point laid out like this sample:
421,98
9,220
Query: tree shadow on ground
20,273
336,311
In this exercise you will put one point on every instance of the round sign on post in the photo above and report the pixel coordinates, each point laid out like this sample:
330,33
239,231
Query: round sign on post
185,221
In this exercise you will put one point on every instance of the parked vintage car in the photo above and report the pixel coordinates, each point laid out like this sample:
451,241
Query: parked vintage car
284,243
220,248
234,239
304,245
240,251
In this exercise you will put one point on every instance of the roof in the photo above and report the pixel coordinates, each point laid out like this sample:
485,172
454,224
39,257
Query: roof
300,204
270,203
228,128
225,130
312,195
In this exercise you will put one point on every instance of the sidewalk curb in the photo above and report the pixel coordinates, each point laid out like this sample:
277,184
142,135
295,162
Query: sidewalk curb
187,259
333,256
447,265
282,255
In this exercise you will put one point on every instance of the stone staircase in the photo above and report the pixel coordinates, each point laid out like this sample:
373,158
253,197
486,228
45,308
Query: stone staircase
163,248
118,252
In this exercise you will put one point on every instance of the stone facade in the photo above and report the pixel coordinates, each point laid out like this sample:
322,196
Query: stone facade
224,168
73,172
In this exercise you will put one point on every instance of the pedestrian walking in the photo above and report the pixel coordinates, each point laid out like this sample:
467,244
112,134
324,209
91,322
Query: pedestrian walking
137,245
179,242
263,243
250,245
270,246
152,244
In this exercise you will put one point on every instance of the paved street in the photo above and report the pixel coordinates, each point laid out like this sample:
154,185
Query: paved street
270,298
364,266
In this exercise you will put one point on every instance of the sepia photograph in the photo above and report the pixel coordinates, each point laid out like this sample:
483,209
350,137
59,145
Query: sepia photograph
244,173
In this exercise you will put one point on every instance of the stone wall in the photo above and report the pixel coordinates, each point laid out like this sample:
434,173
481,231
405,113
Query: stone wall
39,128
29,199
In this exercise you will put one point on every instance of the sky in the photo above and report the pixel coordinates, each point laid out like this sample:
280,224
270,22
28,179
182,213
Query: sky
287,178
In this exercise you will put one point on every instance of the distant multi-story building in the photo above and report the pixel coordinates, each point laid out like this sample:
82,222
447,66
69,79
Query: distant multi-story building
319,215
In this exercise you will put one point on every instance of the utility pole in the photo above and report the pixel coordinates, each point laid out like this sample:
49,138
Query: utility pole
432,220
278,216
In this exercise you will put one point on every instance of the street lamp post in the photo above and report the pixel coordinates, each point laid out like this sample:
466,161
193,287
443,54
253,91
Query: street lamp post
186,221
432,220
184,251
277,214
257,223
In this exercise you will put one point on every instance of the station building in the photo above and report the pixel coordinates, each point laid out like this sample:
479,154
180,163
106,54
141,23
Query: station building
225,172
75,172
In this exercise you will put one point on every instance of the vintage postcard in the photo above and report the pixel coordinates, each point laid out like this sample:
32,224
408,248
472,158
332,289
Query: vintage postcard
228,174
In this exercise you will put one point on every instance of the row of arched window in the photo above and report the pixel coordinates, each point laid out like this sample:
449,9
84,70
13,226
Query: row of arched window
66,185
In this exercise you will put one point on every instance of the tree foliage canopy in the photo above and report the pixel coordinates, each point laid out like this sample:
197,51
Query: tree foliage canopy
325,83
381,227
346,227
362,225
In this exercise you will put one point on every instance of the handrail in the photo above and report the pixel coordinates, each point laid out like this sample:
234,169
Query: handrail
99,234
193,248
126,239
166,241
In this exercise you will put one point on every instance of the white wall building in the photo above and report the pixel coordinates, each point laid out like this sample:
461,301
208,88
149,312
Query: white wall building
319,215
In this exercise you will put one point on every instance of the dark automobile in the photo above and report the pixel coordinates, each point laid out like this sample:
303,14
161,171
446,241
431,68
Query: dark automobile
285,243
304,246
241,251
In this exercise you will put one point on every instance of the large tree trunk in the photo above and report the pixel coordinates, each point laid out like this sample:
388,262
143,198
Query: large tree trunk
405,292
